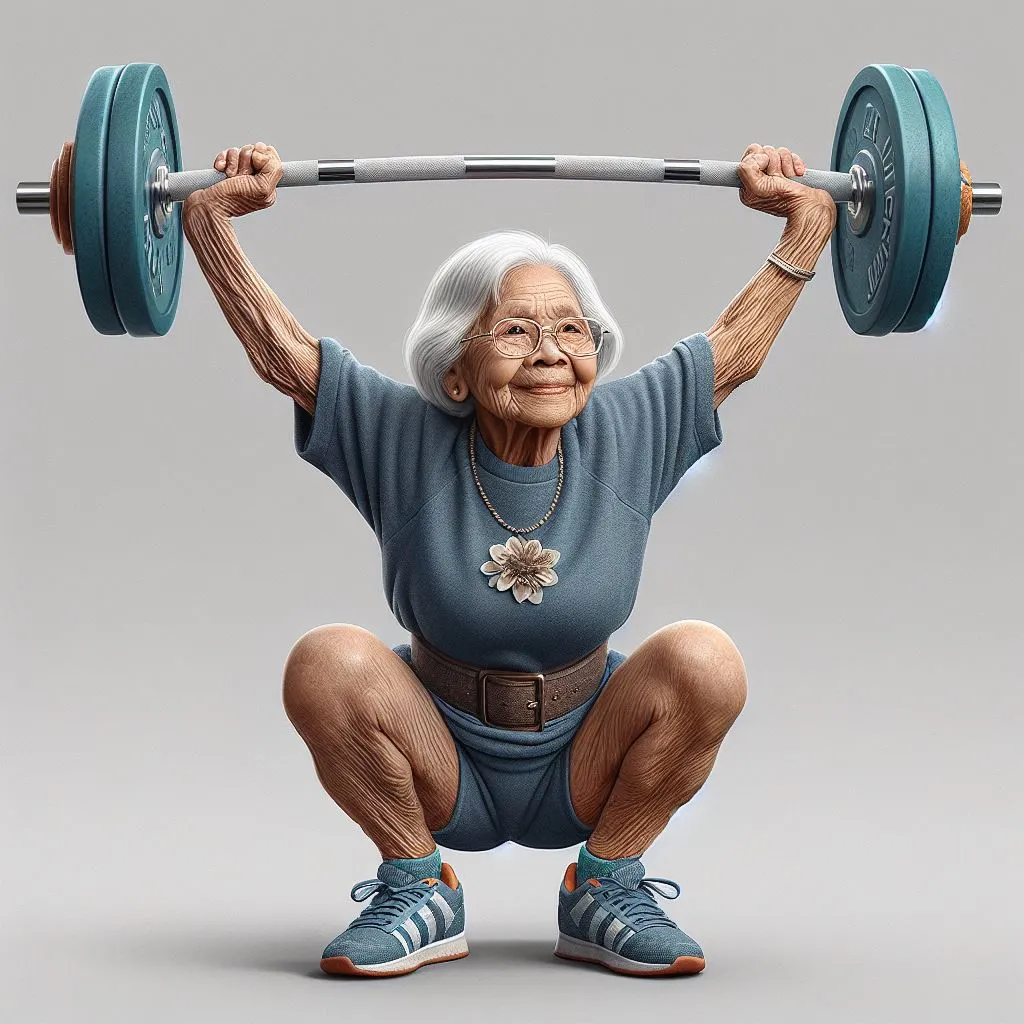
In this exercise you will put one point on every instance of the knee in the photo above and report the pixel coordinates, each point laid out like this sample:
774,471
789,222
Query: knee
327,674
702,673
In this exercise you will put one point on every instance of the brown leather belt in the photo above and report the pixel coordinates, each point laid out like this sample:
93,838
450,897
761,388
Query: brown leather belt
522,701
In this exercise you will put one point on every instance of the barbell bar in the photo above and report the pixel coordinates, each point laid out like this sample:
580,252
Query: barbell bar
113,195
177,186
167,188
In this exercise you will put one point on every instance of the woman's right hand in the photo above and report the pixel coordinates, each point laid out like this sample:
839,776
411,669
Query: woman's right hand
251,184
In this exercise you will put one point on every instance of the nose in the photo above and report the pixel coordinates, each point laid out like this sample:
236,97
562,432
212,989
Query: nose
548,352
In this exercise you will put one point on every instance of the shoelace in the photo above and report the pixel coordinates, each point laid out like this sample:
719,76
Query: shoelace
638,904
388,903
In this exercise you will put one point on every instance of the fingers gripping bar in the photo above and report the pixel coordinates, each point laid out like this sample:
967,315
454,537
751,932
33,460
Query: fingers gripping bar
839,185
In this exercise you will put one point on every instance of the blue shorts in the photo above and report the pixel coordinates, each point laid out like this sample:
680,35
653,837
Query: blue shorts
513,786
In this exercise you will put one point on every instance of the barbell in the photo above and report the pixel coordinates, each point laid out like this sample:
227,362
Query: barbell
114,191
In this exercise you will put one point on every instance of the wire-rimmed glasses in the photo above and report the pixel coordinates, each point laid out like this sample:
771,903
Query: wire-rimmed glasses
517,337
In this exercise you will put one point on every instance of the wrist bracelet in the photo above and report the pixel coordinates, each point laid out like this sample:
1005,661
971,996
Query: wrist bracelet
787,268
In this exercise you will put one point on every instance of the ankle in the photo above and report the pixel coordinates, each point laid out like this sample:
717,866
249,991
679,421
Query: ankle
590,866
419,867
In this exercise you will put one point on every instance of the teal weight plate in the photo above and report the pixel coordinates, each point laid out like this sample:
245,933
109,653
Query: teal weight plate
877,266
945,216
144,256
88,210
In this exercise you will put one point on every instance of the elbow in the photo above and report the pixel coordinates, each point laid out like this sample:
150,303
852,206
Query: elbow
742,370
736,360
750,369
727,383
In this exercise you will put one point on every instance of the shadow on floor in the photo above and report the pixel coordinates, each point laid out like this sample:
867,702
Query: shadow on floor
292,952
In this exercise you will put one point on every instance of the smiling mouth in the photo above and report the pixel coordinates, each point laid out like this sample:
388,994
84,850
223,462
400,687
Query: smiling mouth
547,389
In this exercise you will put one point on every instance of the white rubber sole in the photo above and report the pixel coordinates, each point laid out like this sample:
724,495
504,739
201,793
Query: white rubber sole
576,949
452,948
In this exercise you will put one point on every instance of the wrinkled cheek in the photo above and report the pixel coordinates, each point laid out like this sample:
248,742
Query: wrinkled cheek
501,403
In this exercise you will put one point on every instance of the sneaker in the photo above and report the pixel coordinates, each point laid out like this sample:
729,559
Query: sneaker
409,922
614,921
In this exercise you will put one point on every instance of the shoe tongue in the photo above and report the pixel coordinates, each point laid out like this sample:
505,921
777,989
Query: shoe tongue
394,876
629,874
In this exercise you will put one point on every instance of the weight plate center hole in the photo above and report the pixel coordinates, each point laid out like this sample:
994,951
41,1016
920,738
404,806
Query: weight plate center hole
160,207
860,209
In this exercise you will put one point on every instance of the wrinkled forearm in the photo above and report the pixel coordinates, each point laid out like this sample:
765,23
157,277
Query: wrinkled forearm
743,334
280,350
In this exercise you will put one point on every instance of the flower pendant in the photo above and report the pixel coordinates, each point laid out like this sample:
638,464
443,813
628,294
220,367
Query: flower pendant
524,567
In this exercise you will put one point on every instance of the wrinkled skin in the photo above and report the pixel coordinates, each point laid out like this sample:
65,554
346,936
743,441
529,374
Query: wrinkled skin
521,406
378,742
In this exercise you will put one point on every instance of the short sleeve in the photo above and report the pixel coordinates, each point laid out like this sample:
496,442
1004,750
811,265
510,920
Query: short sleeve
639,434
377,439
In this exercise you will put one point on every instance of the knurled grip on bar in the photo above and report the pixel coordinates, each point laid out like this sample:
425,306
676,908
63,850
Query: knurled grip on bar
180,184
838,184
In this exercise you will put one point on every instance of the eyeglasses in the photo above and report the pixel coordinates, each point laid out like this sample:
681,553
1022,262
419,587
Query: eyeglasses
517,337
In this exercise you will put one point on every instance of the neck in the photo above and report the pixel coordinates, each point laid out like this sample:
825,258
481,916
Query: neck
517,443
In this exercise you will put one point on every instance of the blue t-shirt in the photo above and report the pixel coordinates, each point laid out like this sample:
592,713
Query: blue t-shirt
405,466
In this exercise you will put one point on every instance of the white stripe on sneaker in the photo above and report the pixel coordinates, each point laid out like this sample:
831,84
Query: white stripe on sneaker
623,937
446,911
430,907
429,922
610,932
412,932
401,936
580,909
595,923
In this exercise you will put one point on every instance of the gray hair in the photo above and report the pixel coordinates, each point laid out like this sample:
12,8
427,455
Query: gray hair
461,290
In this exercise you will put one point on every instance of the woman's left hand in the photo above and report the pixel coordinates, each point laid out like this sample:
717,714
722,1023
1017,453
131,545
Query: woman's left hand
765,184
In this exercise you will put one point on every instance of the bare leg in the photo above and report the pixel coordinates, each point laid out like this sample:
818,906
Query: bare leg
379,745
650,740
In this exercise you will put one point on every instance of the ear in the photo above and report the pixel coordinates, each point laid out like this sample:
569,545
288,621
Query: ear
455,384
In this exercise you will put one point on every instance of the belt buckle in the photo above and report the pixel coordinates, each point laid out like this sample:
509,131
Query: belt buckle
537,678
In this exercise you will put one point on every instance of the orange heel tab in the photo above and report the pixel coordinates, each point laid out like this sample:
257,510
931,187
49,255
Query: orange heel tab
569,881
448,876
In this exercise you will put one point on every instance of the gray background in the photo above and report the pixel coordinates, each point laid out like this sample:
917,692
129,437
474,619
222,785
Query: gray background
168,853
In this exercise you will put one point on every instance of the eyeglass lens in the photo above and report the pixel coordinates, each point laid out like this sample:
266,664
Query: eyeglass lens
573,335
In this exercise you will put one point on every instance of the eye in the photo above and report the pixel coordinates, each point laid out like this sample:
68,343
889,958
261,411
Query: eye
571,328
506,327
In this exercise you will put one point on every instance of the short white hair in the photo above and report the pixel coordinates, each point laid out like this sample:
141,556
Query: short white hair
460,291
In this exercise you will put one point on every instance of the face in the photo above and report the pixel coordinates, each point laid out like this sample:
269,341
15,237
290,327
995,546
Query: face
546,389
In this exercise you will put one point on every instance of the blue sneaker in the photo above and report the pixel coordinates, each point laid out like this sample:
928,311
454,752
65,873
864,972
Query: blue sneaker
410,922
614,921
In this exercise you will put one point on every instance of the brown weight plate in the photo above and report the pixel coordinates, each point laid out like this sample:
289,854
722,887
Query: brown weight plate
54,222
63,198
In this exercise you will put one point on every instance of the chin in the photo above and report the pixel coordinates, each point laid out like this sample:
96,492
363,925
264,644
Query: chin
548,410
555,414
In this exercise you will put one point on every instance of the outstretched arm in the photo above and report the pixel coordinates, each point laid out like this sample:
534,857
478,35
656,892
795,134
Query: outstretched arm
283,354
744,332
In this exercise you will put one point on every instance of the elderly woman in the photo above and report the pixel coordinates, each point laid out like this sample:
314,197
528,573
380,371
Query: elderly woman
511,495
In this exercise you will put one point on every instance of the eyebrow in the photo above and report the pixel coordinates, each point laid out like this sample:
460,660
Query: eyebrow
566,309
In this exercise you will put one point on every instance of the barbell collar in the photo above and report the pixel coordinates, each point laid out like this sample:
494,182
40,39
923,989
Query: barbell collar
986,198
33,197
